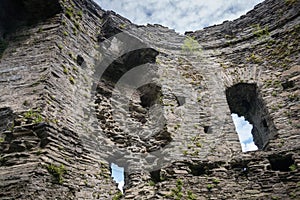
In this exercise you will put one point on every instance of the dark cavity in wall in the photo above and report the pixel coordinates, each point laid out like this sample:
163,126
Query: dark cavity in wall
149,94
244,100
199,169
206,129
281,162
156,176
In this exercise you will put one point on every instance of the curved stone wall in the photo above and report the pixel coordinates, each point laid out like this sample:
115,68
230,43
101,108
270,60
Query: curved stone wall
81,88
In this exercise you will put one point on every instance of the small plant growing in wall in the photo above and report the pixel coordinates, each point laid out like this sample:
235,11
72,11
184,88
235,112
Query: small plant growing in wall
254,59
209,187
80,14
195,153
117,196
65,70
122,26
274,198
216,181
60,46
40,30
190,195
261,32
177,191
77,25
57,172
191,45
198,144
178,194
72,80
185,152
151,183
69,12
33,116
293,167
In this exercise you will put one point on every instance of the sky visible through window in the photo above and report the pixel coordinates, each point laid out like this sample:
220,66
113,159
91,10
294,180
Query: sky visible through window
184,15
243,128
118,175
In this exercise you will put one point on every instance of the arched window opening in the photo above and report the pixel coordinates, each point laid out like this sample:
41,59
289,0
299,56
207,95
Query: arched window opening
244,100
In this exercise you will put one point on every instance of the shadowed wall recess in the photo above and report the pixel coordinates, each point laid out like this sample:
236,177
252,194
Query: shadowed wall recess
16,13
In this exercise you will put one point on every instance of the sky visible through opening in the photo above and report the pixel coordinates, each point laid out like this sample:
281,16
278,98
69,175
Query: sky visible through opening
117,173
184,15
243,128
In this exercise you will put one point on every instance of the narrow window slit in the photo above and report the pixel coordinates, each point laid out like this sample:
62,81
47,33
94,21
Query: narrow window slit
117,173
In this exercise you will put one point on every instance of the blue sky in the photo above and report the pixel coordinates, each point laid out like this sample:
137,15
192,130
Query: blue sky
181,15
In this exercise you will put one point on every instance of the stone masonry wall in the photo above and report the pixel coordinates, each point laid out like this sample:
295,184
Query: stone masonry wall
81,88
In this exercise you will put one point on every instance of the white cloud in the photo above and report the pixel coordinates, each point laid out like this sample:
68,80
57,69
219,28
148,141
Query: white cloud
177,14
242,127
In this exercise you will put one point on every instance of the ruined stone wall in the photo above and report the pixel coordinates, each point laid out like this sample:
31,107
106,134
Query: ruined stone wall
43,82
82,88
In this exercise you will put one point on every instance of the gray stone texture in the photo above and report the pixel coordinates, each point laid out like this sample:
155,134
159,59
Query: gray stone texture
81,88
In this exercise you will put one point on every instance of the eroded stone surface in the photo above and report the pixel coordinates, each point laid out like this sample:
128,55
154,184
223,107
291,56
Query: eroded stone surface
82,87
